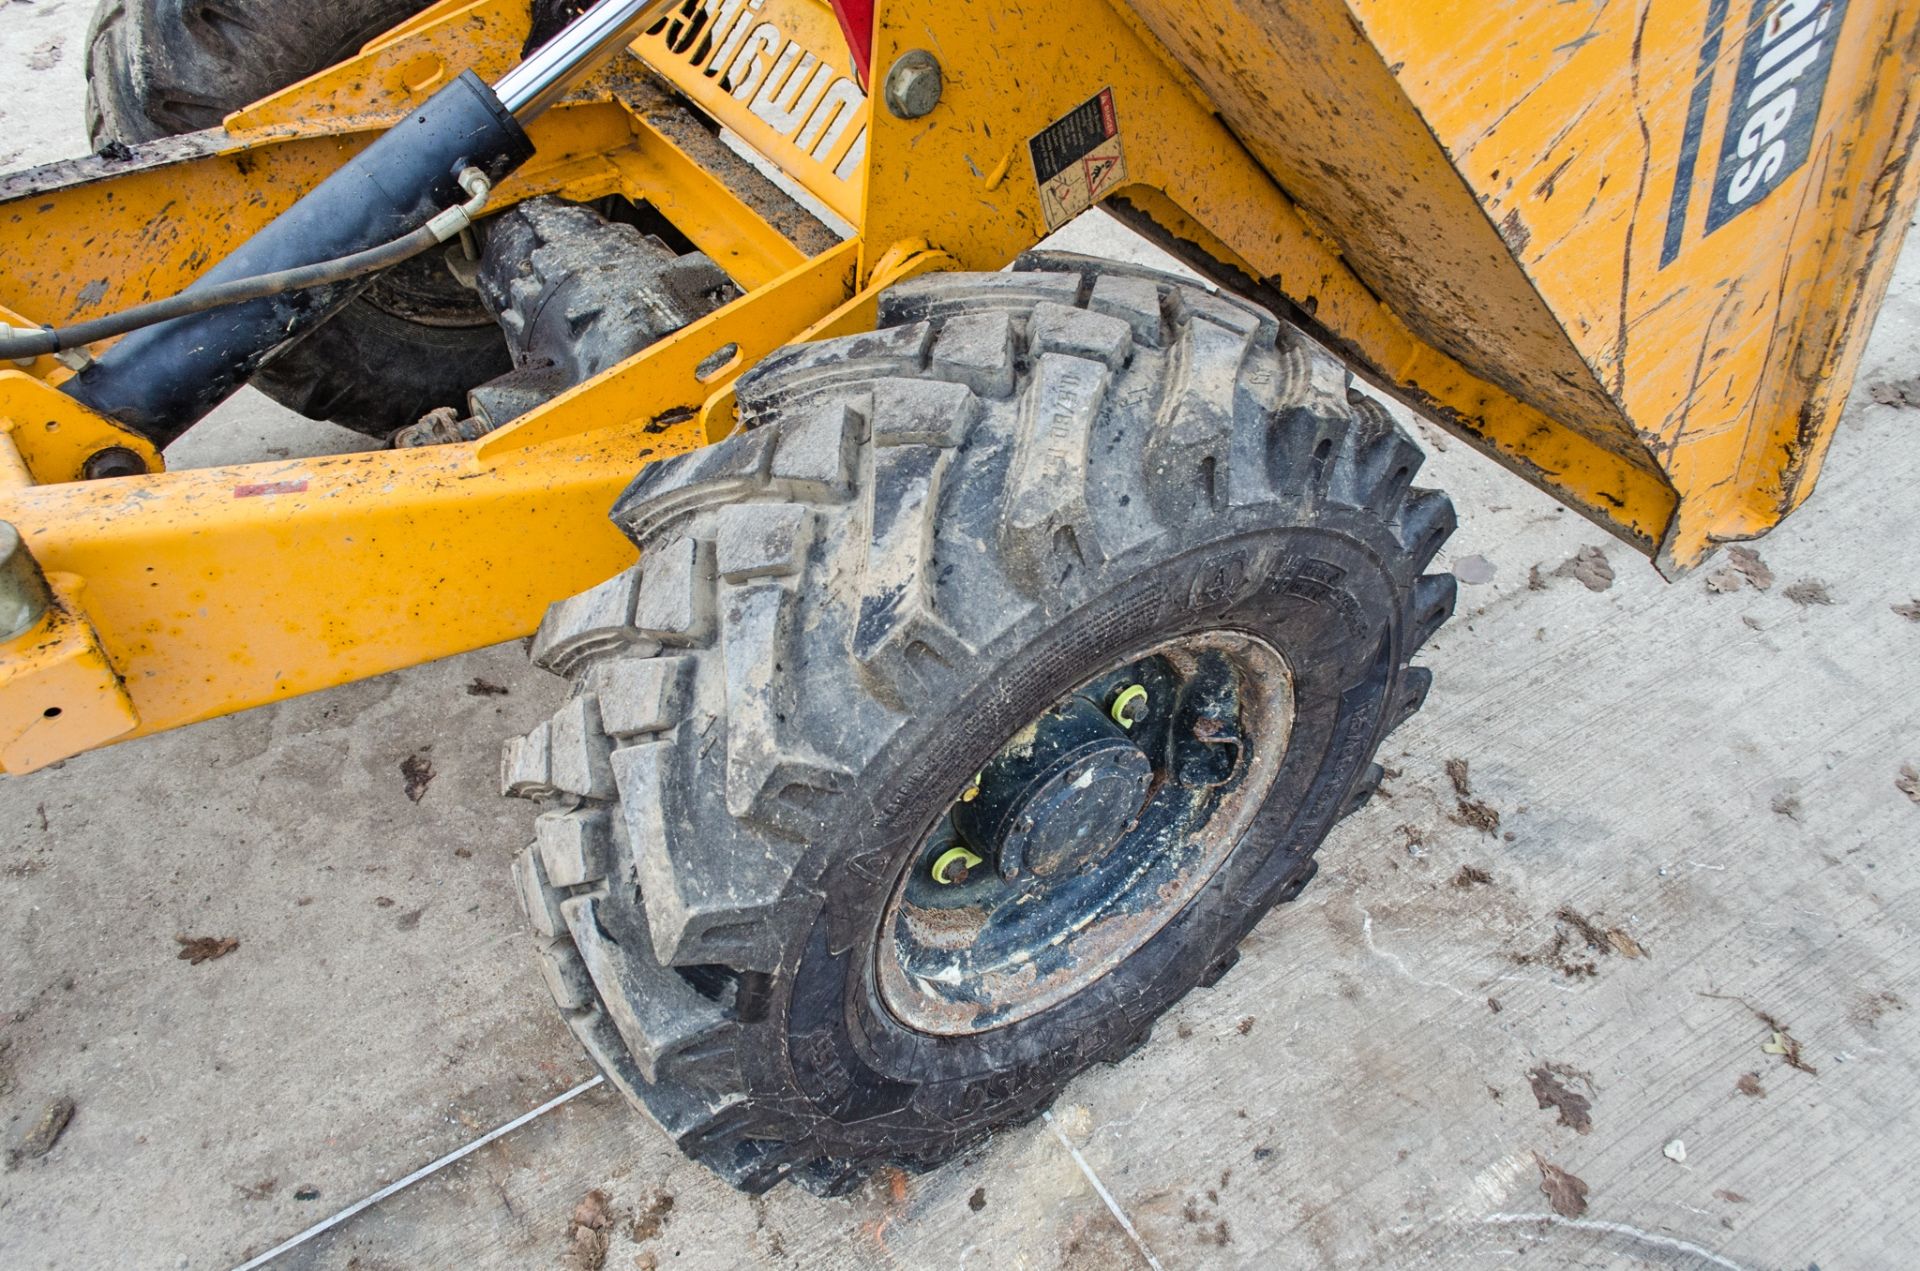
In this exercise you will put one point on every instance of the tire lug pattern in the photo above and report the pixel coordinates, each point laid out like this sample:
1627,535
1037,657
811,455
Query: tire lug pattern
1008,439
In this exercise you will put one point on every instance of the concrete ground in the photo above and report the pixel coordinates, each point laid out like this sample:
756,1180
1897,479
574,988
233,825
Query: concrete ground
1676,976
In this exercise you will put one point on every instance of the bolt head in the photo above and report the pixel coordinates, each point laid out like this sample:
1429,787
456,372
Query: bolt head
913,85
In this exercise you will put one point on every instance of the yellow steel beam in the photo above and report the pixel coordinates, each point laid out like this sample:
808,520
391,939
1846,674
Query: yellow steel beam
213,590
964,179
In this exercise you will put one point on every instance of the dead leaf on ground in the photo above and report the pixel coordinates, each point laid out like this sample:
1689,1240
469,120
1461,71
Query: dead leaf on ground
1624,945
1808,591
1788,806
589,1230
1476,814
1457,773
1573,929
1908,782
1732,1198
1747,563
1472,876
1780,1040
1589,567
46,1132
257,1191
419,774
1749,1085
1566,1193
1551,1091
652,1217
197,949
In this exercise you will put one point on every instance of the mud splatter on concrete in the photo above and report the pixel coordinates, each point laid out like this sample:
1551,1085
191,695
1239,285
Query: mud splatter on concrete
1899,394
1808,591
1876,1006
44,1133
417,770
1751,567
1589,567
1474,571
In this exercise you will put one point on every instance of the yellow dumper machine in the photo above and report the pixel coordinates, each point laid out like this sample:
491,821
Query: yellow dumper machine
982,639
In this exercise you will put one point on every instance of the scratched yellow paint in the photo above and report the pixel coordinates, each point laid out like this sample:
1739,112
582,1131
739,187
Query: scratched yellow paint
1470,204
1722,359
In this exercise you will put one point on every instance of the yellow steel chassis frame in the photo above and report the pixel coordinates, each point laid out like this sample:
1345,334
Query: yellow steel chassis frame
185,595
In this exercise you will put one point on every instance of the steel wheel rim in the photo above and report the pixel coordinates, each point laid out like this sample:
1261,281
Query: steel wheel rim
954,959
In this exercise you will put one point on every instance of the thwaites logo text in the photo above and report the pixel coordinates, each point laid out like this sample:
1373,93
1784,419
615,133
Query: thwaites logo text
1785,56
1776,101
783,84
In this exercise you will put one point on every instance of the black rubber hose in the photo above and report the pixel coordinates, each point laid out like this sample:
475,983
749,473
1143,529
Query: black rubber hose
16,344
159,380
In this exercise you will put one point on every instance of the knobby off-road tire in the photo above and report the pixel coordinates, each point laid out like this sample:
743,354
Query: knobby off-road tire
923,537
415,340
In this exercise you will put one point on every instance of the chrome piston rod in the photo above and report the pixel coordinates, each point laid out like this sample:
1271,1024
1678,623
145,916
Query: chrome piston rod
591,40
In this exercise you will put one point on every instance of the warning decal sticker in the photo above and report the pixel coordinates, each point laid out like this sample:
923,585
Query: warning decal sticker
1078,160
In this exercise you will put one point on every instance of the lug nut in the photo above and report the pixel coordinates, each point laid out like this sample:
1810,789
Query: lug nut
952,866
1130,707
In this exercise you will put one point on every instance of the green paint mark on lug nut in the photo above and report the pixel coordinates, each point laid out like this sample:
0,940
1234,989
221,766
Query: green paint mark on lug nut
944,871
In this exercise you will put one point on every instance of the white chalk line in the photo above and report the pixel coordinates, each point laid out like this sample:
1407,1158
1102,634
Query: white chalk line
1100,1188
459,1153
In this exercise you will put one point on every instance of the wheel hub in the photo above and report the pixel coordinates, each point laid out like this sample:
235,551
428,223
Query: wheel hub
1084,834
1061,796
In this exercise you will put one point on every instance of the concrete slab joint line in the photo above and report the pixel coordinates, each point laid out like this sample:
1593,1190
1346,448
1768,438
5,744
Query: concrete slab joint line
425,1171
1106,1197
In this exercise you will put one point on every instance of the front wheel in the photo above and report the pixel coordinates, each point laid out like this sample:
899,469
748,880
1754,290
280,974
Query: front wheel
967,709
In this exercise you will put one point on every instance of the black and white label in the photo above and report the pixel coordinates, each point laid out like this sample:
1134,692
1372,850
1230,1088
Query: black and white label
1078,160
1775,105
1776,101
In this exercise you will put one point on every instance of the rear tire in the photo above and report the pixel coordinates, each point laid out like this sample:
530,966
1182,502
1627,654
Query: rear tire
415,340
921,538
